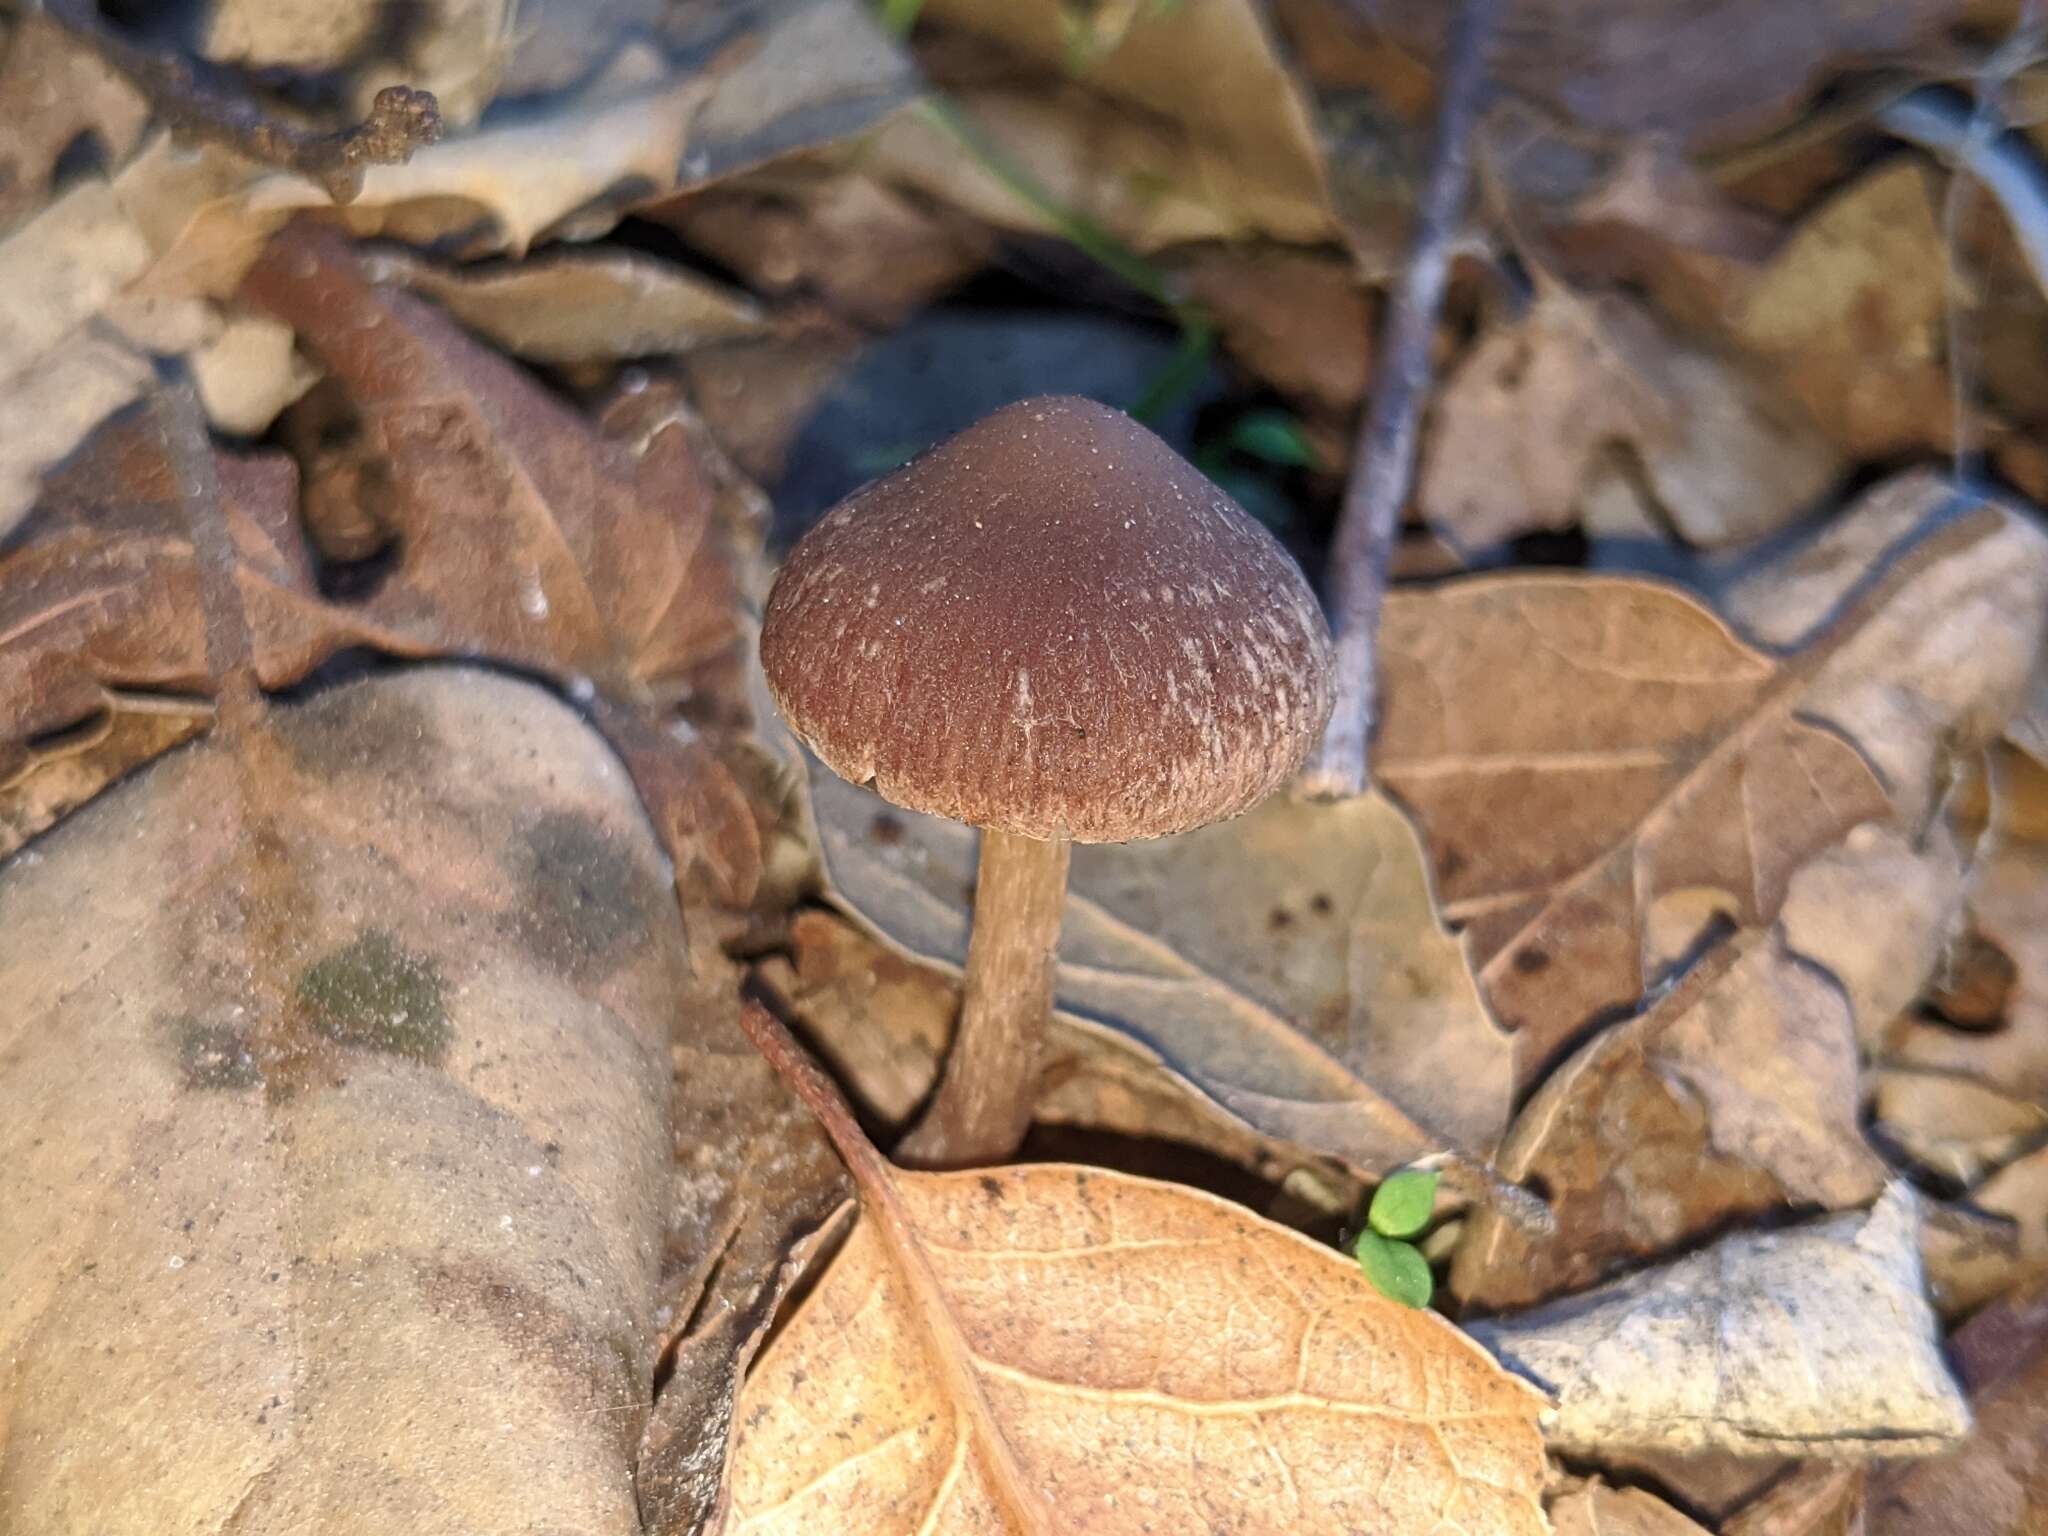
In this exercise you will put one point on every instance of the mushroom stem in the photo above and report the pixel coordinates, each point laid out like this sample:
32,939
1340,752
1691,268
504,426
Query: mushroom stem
990,1083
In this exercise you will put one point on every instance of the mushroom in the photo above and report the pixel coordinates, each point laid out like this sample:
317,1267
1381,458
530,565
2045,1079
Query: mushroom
1055,629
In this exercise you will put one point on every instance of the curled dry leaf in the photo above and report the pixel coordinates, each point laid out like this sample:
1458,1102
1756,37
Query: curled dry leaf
1184,124
1997,1484
388,1243
524,535
960,1352
1585,409
1664,773
1814,1340
1734,1095
820,226
42,782
574,307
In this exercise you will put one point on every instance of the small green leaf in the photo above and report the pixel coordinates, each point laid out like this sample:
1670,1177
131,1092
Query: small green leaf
1397,1270
1274,436
1401,1205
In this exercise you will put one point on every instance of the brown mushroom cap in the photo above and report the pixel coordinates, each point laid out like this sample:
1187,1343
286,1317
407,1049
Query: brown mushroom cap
1051,624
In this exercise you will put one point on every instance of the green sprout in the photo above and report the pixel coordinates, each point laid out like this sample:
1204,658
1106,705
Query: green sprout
1400,1209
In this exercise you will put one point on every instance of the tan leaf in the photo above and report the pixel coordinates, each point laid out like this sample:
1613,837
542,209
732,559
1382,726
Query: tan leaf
882,1020
820,225
1526,433
1313,1404
1851,314
1652,757
1734,1095
49,779
1299,322
1814,1340
1997,1242
1178,124
391,1248
1953,1126
53,88
1819,1498
573,307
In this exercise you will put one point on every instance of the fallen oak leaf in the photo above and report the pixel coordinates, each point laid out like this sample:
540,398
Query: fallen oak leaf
1525,435
349,1278
1735,1094
1814,1340
527,537
1693,775
960,1339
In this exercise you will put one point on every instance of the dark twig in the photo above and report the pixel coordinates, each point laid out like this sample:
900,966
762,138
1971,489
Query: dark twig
1383,465
199,101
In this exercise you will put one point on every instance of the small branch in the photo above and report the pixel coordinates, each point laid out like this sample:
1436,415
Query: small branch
188,449
198,101
1383,466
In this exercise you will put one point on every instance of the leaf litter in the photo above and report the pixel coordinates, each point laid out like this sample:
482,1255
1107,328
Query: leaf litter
1703,907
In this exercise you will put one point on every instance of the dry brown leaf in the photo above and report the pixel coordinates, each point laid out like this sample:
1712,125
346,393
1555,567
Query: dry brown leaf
394,1250
53,89
1851,315
1814,1340
1953,1126
573,307
43,781
1660,772
1181,124
819,226
1597,1510
968,1352
525,536
1735,1095
1299,322
1997,1484
1586,408
1707,73
99,588
1996,1242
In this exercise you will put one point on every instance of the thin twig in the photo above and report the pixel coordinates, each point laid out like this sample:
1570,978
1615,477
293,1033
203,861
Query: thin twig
230,656
1383,465
200,101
